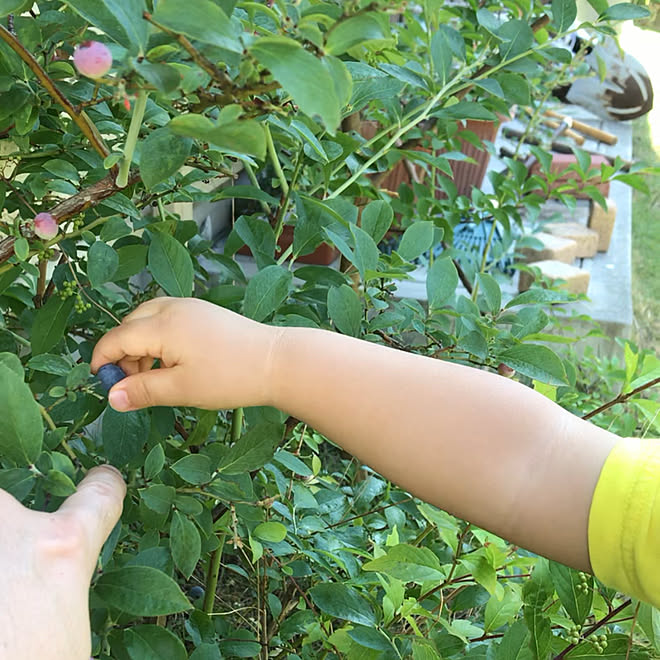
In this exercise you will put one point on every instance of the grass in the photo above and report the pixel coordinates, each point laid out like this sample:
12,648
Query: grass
646,244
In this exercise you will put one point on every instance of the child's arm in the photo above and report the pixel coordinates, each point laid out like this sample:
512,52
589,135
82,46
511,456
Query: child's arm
480,446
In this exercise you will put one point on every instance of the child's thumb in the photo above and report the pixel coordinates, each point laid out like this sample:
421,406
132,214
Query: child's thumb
157,387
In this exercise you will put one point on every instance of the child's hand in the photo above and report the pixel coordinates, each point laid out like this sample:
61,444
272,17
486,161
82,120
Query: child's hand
209,357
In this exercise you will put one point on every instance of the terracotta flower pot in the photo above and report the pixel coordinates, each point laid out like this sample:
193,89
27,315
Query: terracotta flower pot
466,175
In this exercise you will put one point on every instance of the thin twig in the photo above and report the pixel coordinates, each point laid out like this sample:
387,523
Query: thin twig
622,398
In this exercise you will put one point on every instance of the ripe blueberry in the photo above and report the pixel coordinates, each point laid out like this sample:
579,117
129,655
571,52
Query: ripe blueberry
45,226
196,592
110,375
93,59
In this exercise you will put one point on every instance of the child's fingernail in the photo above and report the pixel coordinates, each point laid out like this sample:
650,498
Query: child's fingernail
119,400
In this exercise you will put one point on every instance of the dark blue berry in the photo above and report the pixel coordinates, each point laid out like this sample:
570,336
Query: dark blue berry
196,592
109,375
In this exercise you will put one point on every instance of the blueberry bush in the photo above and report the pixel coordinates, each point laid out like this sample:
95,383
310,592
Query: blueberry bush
245,533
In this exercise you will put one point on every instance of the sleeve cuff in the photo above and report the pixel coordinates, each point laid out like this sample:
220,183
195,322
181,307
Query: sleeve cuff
624,520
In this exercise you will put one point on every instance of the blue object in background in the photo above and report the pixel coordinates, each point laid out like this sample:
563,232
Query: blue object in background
110,375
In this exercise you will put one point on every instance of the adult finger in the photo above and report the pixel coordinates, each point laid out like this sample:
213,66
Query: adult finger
136,339
157,387
97,505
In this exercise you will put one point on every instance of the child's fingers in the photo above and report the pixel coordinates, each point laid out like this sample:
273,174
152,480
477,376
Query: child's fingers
135,339
158,387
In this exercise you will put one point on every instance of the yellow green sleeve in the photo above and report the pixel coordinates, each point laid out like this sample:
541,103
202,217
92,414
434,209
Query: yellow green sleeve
624,520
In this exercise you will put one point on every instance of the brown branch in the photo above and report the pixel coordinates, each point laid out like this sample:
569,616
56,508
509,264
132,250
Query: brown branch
201,60
622,398
72,206
83,122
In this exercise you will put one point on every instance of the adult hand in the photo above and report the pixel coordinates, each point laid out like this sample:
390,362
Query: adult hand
47,561
209,357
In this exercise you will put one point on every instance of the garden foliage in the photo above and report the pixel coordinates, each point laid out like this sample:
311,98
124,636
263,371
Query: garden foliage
246,534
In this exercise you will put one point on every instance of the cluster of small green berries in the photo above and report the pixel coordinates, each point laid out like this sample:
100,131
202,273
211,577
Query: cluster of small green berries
600,643
81,306
68,289
46,254
584,583
573,634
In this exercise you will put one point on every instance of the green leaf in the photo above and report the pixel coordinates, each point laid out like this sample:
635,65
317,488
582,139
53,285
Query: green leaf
259,236
488,21
21,248
466,110
353,31
102,263
343,602
624,11
441,282
124,434
517,37
58,484
241,136
441,56
516,88
152,642
113,229
416,240
539,295
564,12
21,430
252,451
61,169
185,544
377,217
266,291
345,310
366,251
537,362
514,644
171,265
501,610
55,365
576,602
163,154
206,652
121,20
12,362
159,498
202,20
270,532
303,76
370,638
154,462
141,591
163,77
424,649
18,482
132,260
49,323
490,292
408,563
293,463
12,6
194,468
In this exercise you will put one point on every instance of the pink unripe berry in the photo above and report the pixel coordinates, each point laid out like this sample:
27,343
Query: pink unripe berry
45,226
92,58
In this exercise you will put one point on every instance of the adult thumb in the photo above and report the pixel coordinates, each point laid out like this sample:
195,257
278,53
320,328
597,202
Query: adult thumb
97,504
157,387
